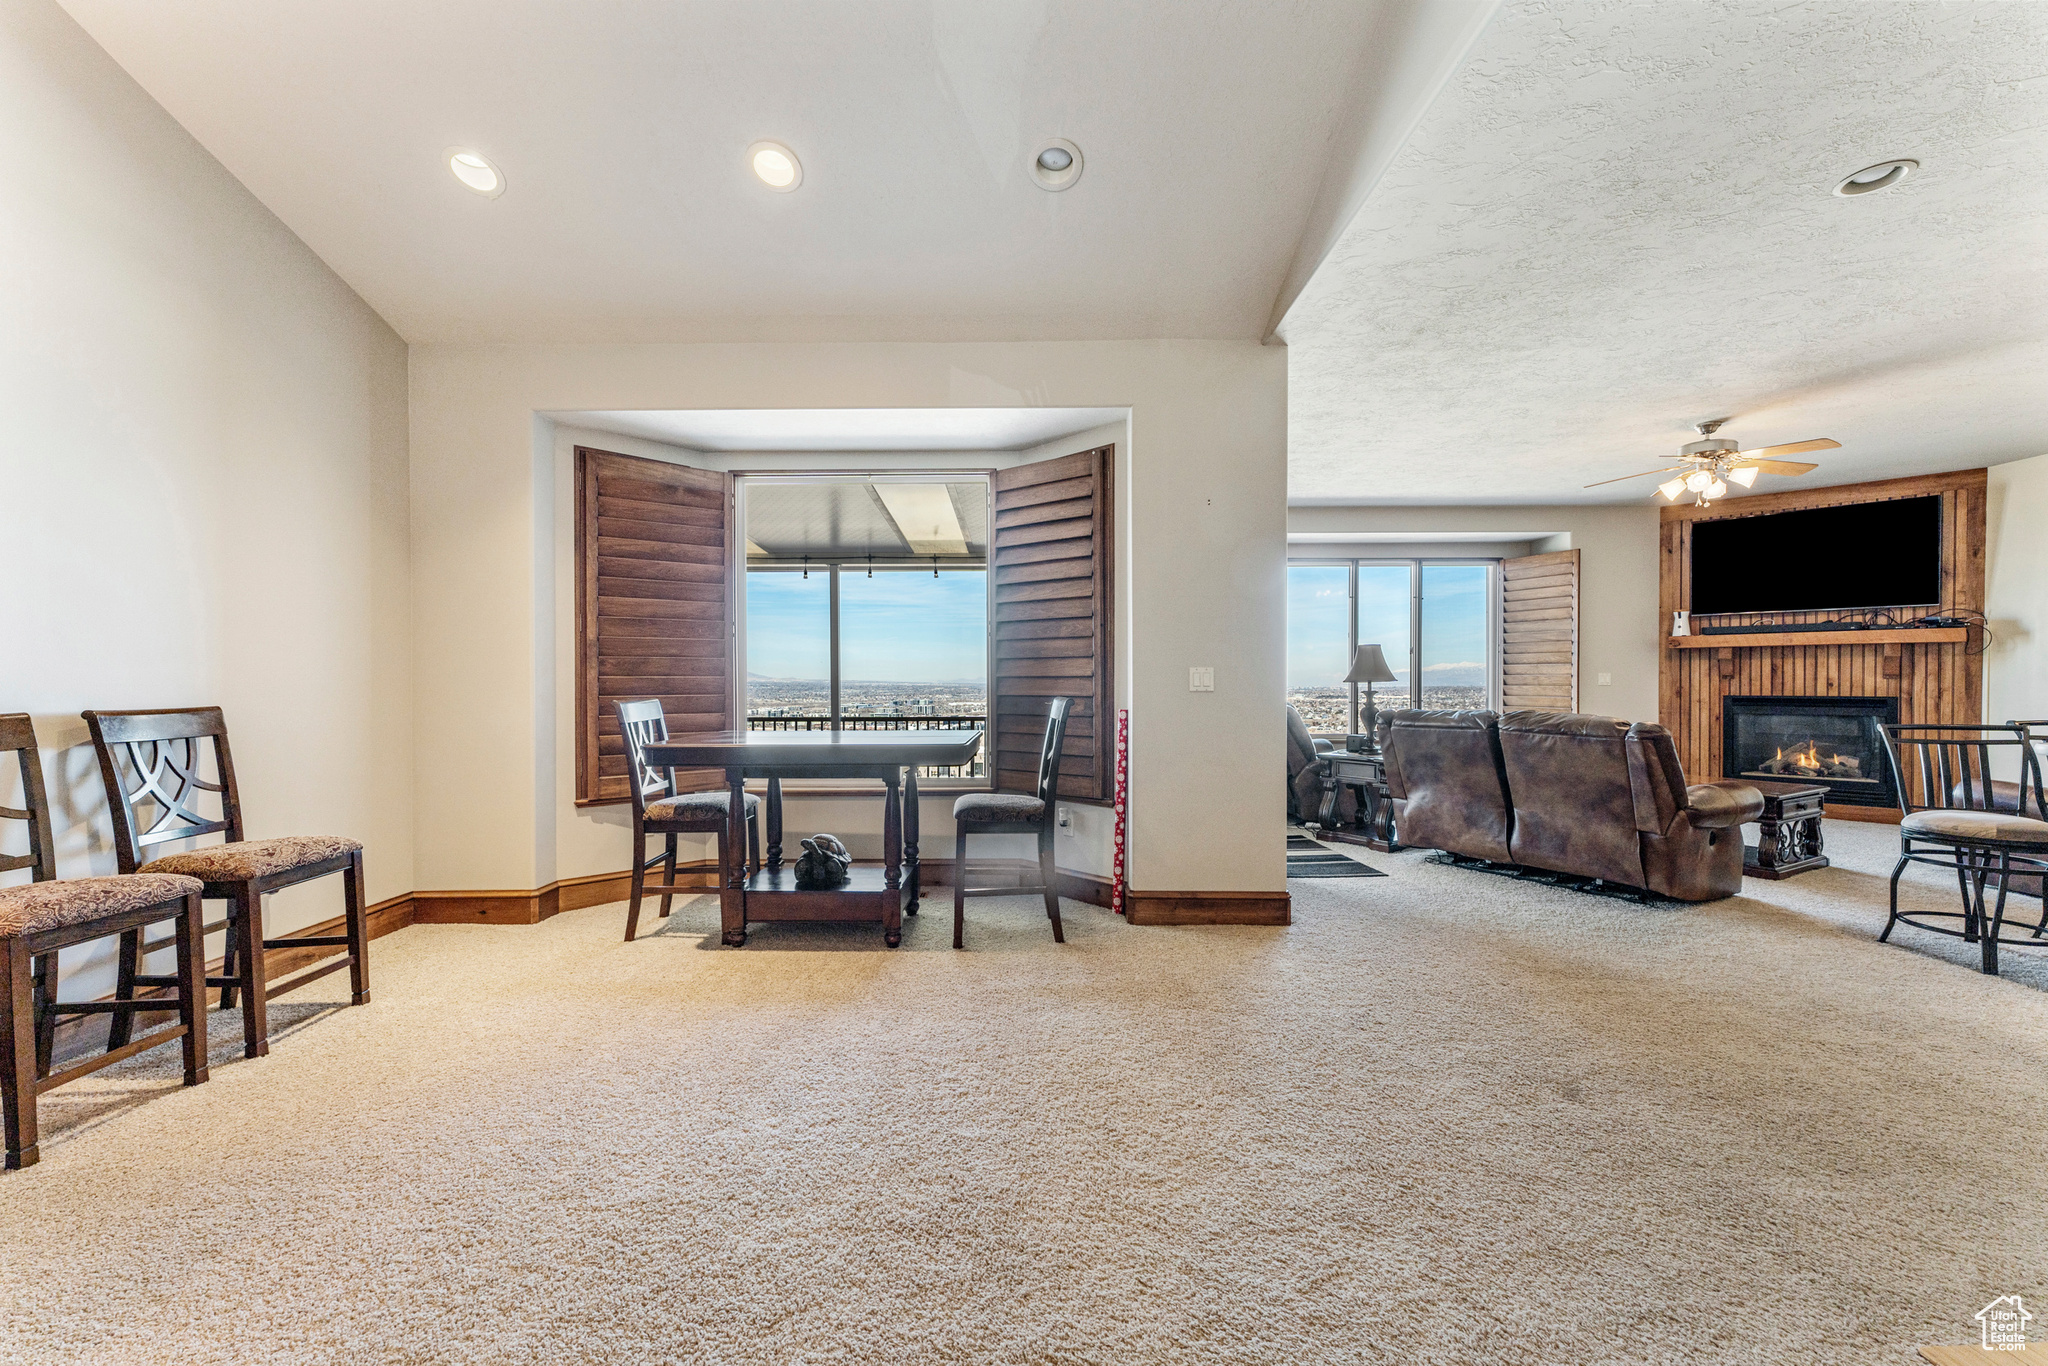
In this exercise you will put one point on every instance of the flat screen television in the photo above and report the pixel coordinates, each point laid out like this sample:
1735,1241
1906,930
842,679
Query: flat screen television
1852,557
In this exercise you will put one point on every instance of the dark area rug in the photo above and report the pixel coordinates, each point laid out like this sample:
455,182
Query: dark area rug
1327,865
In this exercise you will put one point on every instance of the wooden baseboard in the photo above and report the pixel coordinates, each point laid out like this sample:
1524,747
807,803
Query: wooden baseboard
1875,815
1209,908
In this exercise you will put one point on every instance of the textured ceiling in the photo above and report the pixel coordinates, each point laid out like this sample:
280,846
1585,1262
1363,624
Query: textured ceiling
629,213
1616,220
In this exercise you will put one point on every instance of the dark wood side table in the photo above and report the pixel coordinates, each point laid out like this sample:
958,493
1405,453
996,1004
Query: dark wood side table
1790,839
1367,774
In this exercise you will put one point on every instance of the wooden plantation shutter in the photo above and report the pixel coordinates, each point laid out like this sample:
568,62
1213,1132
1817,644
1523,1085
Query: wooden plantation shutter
1540,632
1051,555
653,609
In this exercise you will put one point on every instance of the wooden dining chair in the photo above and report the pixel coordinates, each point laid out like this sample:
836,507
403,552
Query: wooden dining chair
1015,813
658,809
48,915
152,763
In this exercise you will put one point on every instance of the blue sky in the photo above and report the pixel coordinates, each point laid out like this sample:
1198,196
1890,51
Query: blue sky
1454,622
899,626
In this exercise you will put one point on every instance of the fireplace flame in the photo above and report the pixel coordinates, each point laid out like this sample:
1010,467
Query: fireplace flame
1808,762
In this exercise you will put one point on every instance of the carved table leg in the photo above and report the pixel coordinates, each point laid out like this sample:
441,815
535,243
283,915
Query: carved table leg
1326,818
774,822
910,837
892,862
732,900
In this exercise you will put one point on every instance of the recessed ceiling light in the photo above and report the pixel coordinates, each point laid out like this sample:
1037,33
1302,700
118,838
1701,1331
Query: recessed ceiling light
776,165
476,171
1055,164
1882,176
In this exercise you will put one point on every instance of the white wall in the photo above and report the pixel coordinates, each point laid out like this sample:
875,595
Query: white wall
1619,633
204,477
2016,591
1201,551
599,839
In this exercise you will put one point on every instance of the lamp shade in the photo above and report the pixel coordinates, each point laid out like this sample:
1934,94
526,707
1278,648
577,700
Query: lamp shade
1369,665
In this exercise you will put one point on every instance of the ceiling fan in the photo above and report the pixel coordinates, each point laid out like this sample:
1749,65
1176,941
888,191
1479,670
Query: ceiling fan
1713,462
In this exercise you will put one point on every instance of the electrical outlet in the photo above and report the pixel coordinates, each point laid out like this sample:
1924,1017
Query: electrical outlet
1606,678
1065,821
1201,680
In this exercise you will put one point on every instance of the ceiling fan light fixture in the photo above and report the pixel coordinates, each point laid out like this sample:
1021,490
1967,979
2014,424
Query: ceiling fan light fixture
1672,489
1745,475
1715,492
1882,176
1698,480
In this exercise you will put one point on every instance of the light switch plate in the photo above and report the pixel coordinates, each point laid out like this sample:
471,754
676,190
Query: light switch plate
1201,680
1606,678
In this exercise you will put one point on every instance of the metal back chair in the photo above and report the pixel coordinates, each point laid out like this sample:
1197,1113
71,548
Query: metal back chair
658,809
1959,816
1012,813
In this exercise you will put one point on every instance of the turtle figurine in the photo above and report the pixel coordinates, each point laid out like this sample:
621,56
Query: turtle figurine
823,864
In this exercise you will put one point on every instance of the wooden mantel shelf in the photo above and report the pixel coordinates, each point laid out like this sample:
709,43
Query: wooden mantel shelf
1908,635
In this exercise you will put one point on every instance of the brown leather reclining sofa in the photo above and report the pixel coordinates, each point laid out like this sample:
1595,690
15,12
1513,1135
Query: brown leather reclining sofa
1567,793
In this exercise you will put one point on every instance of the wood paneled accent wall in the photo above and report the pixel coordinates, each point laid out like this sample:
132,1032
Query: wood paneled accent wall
1935,682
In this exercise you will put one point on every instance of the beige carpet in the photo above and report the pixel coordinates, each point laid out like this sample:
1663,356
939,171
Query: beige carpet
1443,1118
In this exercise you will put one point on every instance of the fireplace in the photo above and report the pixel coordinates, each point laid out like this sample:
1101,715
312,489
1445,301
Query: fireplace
1831,742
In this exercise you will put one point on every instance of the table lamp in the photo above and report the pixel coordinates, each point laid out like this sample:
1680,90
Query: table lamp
1369,666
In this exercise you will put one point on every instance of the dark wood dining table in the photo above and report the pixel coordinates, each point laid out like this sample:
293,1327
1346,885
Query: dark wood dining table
891,757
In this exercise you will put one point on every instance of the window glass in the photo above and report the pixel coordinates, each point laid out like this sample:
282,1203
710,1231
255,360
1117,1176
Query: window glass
912,644
1319,645
789,645
1384,616
1455,669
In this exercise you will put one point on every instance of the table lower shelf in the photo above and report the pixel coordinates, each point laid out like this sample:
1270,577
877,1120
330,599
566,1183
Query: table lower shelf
772,895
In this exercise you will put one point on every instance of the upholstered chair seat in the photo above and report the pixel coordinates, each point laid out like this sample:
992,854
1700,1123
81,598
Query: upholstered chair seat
247,859
1975,825
982,808
697,806
41,906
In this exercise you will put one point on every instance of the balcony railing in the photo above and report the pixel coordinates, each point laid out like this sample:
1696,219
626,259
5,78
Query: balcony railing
915,721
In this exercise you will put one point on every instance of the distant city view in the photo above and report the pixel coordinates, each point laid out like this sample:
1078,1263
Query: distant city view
1327,710
812,697
806,704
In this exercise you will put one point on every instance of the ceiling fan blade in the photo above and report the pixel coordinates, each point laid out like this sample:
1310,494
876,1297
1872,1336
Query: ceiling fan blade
1789,448
1618,478
1775,466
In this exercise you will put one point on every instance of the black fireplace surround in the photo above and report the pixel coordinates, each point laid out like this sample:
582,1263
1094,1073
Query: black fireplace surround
1831,742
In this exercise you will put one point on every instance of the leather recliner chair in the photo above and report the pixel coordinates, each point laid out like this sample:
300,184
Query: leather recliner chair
1585,795
1445,778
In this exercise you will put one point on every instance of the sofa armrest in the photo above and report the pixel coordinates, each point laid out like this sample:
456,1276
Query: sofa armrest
1717,806
1324,746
